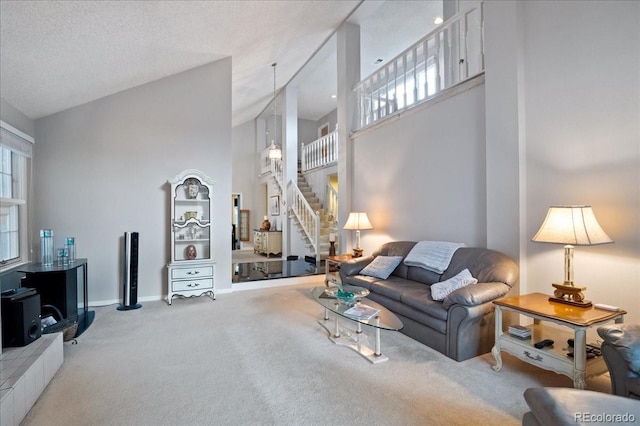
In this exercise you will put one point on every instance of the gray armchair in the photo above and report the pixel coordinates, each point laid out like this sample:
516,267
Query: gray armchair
570,407
621,352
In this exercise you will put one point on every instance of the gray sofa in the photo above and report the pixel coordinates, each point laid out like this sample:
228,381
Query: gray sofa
462,325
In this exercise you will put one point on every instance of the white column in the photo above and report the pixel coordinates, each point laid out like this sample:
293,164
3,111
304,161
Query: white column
348,48
505,125
290,160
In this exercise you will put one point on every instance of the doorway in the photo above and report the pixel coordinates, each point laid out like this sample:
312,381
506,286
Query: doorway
236,205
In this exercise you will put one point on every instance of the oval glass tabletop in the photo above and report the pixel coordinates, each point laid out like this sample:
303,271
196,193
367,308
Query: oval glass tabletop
362,310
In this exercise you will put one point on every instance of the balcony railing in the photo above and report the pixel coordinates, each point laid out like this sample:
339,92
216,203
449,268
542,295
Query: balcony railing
320,152
451,54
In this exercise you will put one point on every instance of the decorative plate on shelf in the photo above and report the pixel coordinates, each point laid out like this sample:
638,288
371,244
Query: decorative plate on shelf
190,252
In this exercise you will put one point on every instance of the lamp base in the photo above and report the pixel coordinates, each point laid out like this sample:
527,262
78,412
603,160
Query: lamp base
357,252
569,294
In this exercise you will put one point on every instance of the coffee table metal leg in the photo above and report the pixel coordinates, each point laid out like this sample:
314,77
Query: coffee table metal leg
355,339
377,352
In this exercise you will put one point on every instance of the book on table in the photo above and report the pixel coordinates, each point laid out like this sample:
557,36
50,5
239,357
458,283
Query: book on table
519,331
361,312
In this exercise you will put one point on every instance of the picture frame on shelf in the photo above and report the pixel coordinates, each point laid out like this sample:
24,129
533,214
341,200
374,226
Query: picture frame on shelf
192,187
275,205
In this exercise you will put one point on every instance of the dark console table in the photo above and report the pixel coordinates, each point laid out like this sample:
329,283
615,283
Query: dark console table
58,286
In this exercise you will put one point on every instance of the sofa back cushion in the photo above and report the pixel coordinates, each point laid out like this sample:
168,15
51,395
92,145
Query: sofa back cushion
421,275
484,264
396,248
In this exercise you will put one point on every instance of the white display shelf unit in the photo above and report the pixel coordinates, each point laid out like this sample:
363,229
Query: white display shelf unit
191,269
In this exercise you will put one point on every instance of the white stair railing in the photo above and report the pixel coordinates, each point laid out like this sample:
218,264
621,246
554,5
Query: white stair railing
451,54
277,171
308,218
320,152
265,162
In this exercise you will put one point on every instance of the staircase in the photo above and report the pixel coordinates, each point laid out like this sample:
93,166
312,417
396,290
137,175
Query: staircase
325,222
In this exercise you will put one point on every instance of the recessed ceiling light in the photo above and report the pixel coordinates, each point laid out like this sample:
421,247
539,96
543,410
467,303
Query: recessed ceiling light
333,96
438,20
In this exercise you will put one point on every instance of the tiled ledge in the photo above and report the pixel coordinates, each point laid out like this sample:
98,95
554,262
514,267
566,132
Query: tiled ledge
24,373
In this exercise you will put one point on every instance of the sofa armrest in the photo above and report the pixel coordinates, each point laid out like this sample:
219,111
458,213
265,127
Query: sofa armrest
476,294
353,266
565,406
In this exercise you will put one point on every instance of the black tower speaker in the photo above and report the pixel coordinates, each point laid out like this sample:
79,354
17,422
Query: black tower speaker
130,272
20,317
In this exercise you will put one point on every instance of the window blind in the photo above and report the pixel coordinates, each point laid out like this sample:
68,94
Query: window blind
10,139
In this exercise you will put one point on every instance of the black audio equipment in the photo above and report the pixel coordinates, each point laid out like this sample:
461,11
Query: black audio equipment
20,317
130,272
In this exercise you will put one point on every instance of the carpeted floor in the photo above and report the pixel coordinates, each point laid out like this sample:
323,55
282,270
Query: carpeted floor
260,357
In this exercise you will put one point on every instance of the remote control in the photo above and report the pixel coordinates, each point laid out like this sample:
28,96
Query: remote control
541,344
606,307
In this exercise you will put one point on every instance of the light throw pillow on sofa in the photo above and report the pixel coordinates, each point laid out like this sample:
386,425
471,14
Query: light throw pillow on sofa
442,289
381,266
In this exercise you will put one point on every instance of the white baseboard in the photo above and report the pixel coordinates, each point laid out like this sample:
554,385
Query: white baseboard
249,285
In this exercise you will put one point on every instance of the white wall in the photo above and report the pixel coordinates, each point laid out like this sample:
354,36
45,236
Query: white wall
422,177
307,133
245,171
562,127
331,118
10,115
101,169
583,140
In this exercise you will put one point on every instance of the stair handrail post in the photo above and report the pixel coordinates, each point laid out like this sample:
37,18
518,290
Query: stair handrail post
304,157
316,223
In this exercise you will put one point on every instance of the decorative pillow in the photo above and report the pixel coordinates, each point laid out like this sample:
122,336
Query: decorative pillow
440,290
381,266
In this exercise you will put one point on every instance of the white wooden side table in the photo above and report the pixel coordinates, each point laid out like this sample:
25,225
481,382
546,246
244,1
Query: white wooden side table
554,358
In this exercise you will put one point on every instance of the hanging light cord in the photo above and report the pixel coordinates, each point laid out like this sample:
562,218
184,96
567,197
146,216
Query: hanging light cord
275,103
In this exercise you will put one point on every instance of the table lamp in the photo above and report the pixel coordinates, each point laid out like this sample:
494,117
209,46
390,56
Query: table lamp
358,221
572,226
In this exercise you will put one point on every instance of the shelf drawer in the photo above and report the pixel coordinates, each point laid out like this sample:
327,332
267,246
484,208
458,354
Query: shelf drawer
194,272
192,284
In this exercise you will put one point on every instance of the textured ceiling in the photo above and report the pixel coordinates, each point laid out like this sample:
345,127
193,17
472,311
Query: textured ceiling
58,54
55,55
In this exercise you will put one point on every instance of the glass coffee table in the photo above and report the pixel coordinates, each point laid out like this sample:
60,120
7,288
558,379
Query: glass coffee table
357,313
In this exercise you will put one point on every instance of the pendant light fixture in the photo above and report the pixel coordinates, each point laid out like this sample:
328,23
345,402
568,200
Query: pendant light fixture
275,153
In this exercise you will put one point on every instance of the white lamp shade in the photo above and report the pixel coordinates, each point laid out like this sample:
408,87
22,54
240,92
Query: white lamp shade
275,153
358,220
574,225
